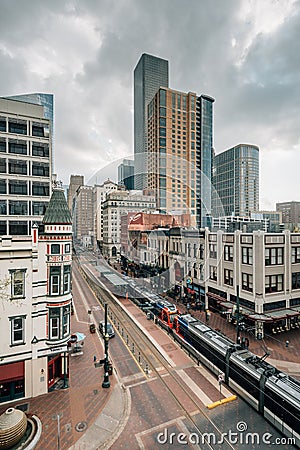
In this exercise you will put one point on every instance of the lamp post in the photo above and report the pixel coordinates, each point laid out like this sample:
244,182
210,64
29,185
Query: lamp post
106,383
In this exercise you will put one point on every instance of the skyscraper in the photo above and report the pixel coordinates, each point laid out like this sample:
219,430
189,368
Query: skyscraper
126,174
149,74
180,146
236,180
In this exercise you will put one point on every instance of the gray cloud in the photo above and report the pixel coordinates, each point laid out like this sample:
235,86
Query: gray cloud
85,53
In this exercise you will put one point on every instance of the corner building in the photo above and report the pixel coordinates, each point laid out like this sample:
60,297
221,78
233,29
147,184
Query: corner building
180,153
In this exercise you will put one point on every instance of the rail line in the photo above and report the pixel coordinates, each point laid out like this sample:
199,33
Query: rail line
147,355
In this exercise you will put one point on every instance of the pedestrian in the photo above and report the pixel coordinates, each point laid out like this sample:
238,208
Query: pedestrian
286,343
95,358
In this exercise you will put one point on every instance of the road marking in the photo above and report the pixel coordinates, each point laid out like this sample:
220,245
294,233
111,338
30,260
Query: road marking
193,386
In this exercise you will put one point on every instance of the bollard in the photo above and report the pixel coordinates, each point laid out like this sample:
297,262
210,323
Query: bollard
139,357
133,347
127,339
146,369
122,332
287,343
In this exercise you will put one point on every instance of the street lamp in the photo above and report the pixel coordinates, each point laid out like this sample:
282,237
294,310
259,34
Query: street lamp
106,383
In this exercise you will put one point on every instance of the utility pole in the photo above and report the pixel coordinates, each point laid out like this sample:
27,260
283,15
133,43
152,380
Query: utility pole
106,383
237,314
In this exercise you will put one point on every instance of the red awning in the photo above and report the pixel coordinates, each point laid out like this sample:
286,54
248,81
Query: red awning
11,372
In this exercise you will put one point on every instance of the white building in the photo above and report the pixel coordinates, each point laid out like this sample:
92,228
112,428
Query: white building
35,302
25,166
119,203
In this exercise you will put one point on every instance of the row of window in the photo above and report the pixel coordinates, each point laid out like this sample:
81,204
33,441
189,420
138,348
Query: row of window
22,208
58,321
21,148
20,167
273,283
20,127
273,256
19,187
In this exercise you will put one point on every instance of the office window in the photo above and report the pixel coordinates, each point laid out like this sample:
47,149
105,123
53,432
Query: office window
273,256
40,150
2,124
39,208
17,278
18,227
273,283
3,207
38,130
18,208
19,148
296,280
228,253
247,255
295,255
41,189
247,282
18,127
228,277
17,167
17,187
17,330
54,284
40,169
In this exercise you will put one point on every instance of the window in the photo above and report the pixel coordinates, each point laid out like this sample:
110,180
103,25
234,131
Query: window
38,208
67,248
18,208
59,322
273,256
17,283
228,253
247,282
273,283
67,279
38,130
19,127
2,124
55,280
296,280
228,277
247,255
3,207
17,330
19,148
40,169
213,250
213,273
17,167
18,187
2,144
295,255
40,150
40,189
2,165
2,186
18,227
55,249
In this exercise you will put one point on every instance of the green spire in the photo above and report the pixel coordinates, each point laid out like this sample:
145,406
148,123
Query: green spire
57,211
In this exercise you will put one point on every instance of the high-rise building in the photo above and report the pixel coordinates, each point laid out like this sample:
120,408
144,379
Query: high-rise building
126,174
75,182
236,180
83,215
290,212
25,166
42,99
149,74
180,149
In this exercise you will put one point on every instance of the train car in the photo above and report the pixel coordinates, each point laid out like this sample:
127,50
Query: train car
273,394
166,311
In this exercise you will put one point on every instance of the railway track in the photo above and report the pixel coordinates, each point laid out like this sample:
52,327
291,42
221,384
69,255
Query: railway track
151,361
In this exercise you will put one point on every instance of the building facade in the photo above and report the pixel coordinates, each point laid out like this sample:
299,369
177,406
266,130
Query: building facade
258,275
25,166
117,204
290,212
236,181
75,182
84,216
149,74
180,149
126,174
35,279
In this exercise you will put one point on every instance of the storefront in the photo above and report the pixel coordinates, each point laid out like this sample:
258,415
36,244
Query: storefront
12,381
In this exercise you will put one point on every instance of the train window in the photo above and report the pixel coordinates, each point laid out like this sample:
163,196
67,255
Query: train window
283,409
244,379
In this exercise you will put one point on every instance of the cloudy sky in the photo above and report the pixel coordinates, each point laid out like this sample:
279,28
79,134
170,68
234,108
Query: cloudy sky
244,53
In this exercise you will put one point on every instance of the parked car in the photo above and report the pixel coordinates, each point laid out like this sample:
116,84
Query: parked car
110,330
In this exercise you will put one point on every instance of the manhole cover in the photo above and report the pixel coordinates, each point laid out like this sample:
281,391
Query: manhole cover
81,426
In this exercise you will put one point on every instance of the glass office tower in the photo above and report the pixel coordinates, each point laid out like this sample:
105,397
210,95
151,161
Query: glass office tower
236,179
149,74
